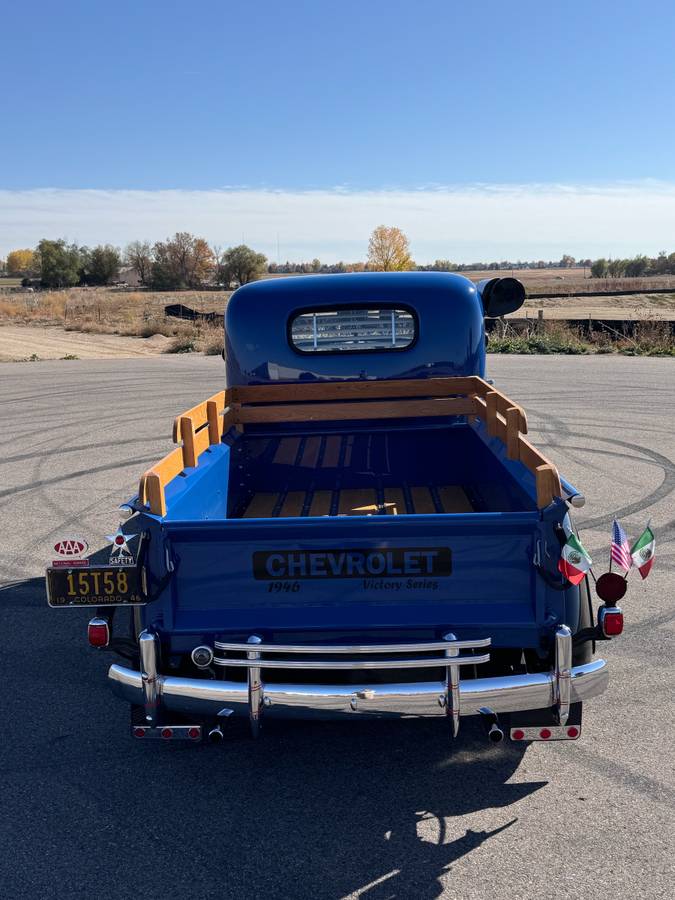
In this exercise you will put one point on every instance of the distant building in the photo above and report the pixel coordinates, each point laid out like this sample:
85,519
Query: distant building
129,276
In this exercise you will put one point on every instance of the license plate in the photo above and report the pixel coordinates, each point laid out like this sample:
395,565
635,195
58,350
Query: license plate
95,586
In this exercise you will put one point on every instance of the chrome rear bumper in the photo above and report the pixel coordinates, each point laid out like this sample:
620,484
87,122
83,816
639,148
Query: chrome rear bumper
451,698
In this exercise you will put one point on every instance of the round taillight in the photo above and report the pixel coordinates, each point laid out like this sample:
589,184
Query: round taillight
98,632
545,734
167,733
139,732
194,733
573,731
518,734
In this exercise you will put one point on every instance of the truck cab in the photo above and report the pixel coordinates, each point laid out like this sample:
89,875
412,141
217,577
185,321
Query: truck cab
356,525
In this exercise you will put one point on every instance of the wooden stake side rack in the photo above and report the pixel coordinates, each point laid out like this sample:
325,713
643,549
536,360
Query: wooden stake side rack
204,425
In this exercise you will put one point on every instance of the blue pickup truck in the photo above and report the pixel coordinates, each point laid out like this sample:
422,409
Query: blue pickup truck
355,526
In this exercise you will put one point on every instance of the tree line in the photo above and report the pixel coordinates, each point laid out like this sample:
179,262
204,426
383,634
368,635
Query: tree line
183,261
188,262
635,266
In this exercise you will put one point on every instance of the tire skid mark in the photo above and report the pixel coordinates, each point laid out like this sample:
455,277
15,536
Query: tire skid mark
663,490
69,518
77,449
139,460
655,621
613,770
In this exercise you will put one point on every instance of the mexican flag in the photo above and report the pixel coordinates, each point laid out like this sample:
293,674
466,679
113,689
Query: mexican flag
643,551
574,561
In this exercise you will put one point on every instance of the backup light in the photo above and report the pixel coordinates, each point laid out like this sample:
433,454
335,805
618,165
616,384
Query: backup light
202,656
98,632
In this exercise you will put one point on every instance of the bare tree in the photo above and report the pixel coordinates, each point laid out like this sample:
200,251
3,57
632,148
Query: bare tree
138,255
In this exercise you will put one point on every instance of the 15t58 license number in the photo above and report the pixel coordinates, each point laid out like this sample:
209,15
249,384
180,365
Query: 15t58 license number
115,586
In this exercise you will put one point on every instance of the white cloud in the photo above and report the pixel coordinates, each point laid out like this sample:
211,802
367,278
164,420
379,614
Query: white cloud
463,223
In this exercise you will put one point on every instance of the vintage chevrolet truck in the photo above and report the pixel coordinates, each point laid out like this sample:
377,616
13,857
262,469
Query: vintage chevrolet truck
356,526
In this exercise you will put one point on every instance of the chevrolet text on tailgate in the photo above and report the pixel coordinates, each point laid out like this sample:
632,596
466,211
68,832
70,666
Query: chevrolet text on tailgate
356,526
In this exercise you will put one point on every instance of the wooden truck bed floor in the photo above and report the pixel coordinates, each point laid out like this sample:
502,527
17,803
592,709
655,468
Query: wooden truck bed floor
413,499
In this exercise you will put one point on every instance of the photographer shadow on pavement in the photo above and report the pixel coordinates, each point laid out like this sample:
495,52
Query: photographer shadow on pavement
310,810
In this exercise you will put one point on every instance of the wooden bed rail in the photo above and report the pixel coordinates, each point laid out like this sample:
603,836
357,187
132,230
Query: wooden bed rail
204,425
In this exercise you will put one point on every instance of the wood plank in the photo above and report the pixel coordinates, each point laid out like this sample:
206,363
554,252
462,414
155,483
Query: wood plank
321,502
491,413
512,427
379,409
545,485
292,505
197,415
202,441
169,466
156,497
287,451
186,430
331,452
358,502
530,455
343,390
500,428
154,480
394,502
454,500
261,506
401,387
422,500
502,402
310,454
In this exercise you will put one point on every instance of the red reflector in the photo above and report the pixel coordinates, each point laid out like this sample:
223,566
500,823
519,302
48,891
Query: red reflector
612,623
545,734
98,633
572,731
139,732
167,733
194,733
518,734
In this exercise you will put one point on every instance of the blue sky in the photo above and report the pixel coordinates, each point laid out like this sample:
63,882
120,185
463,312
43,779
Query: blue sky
296,97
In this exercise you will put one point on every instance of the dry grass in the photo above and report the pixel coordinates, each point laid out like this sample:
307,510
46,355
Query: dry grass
648,339
141,314
110,311
211,341
572,281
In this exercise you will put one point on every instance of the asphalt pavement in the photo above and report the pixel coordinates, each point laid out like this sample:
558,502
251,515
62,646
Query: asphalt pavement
379,810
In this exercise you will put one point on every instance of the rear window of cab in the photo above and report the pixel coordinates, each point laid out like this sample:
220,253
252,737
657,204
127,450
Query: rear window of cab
357,329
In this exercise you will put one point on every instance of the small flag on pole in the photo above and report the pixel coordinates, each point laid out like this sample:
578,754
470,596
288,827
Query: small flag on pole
643,550
620,553
574,562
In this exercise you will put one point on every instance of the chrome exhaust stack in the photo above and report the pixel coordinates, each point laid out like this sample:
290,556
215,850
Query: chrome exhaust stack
216,735
490,723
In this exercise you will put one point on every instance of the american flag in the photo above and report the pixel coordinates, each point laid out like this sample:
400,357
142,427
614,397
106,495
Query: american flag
620,547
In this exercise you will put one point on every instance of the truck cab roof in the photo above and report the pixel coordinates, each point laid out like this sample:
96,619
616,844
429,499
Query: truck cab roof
374,325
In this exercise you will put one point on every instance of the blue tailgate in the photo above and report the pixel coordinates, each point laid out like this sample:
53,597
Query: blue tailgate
354,573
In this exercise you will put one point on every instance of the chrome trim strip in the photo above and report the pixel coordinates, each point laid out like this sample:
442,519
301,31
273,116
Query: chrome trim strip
563,671
452,689
255,688
512,693
148,647
412,647
428,662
